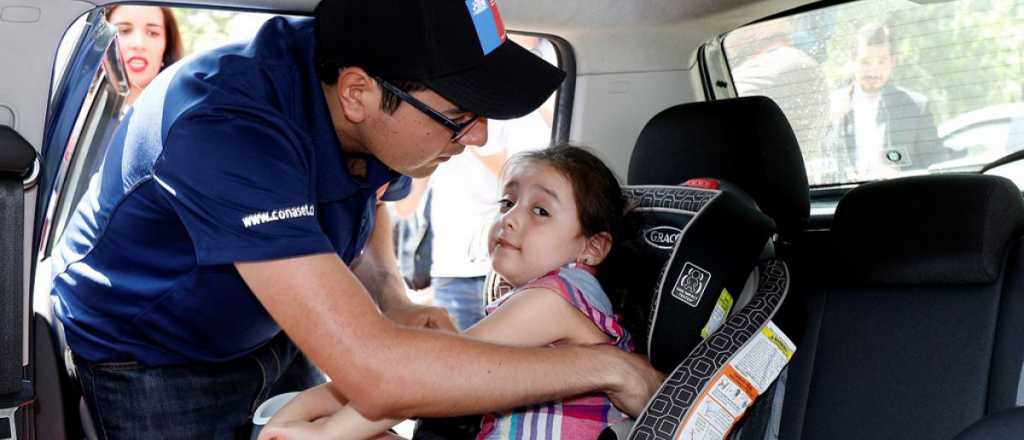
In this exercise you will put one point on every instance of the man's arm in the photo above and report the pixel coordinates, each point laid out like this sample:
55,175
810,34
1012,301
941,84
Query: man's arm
389,370
378,272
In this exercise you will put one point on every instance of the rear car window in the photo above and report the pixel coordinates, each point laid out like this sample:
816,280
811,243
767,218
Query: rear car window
879,89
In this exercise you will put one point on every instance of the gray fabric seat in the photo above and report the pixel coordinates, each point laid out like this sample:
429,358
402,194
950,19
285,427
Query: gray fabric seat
1003,425
916,318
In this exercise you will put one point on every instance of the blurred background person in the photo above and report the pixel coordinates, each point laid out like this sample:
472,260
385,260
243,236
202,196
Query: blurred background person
149,41
775,67
885,129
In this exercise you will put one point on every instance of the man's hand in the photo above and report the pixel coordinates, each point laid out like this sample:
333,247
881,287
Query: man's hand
421,316
638,382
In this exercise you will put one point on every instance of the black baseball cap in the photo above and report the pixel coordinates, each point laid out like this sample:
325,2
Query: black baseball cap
458,48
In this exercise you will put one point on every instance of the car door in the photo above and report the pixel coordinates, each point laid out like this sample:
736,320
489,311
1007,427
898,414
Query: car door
83,111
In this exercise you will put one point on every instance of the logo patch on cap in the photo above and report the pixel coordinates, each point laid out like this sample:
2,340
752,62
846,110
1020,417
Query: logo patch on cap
489,28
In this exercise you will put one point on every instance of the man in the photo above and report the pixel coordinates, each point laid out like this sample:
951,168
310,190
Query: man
240,197
885,129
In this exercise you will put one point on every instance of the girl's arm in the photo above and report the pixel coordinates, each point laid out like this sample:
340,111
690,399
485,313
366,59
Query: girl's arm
535,318
310,404
337,421
346,424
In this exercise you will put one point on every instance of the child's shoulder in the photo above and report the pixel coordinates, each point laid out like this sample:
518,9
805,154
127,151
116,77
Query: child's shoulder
575,284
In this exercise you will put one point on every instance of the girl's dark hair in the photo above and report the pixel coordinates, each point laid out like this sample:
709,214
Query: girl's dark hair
594,186
173,48
599,201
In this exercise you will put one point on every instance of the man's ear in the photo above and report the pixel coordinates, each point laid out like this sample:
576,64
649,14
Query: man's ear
357,93
596,249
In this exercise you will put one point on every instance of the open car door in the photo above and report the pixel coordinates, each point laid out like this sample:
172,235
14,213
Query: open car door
37,397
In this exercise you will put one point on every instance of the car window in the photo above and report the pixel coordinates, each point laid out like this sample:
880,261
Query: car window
879,89
979,137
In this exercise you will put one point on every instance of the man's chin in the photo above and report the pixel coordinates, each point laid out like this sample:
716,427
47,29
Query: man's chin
871,89
423,171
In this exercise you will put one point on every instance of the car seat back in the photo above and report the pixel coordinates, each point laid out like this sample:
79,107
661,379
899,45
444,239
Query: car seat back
915,330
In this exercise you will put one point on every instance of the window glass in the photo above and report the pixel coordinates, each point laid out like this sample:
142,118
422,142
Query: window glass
879,89
203,29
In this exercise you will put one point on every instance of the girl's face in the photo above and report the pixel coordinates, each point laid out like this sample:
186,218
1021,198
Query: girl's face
142,38
538,228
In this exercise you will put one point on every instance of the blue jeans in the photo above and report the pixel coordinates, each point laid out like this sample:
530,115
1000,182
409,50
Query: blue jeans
463,298
207,401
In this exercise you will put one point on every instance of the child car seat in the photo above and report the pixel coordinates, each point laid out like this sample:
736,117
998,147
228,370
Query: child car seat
716,287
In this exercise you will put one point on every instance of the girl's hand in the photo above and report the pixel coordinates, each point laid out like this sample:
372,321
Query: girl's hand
293,431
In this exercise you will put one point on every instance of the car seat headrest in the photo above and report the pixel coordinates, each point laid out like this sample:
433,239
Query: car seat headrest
951,229
686,245
746,141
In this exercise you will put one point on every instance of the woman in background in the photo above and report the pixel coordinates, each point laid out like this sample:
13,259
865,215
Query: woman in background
149,41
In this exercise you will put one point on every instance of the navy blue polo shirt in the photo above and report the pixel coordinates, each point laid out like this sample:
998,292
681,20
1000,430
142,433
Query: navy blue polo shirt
229,156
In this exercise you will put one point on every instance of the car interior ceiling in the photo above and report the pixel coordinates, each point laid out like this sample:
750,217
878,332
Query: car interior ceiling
907,299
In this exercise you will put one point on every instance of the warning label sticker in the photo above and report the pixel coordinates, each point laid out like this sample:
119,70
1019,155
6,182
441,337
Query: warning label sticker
763,358
718,315
731,392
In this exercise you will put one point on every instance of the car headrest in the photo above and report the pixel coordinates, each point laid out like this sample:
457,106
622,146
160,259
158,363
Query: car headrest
690,248
746,141
945,229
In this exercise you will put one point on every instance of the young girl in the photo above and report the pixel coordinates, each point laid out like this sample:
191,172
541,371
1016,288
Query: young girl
558,211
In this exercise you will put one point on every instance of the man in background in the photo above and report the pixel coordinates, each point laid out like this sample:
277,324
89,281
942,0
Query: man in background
885,129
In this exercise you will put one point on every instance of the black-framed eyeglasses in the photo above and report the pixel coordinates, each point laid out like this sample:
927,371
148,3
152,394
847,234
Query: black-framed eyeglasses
458,129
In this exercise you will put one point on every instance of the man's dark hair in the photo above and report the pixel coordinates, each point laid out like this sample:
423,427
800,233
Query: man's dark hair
328,72
872,34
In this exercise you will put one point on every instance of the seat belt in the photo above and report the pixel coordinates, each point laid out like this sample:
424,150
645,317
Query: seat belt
16,162
692,397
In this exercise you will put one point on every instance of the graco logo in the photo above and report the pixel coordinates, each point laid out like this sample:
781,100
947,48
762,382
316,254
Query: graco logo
693,281
662,237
